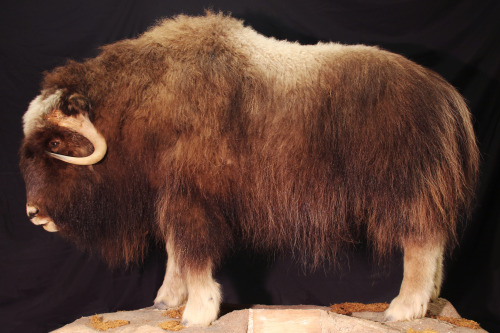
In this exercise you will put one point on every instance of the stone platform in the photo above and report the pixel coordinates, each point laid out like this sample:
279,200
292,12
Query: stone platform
269,319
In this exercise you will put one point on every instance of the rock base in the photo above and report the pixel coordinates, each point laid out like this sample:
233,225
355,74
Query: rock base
268,319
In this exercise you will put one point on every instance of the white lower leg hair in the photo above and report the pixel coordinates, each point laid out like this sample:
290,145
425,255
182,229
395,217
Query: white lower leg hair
438,277
173,291
204,298
422,276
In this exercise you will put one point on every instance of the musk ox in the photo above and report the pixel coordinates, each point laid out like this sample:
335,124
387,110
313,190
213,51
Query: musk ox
204,135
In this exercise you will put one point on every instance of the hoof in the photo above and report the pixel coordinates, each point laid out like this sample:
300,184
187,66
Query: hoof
406,308
160,306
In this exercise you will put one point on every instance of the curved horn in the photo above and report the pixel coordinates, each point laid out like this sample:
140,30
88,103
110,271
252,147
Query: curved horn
82,125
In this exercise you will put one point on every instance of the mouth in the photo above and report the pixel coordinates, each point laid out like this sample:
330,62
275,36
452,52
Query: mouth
45,222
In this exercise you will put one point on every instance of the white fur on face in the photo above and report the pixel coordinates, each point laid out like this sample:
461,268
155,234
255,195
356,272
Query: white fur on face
31,210
44,221
50,226
37,109
421,281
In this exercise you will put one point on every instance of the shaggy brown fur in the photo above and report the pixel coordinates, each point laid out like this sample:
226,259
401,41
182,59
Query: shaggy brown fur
206,144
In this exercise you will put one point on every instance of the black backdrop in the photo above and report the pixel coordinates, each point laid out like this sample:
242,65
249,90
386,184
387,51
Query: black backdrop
45,282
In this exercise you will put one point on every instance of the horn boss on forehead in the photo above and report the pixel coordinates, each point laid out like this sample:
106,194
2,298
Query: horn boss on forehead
204,135
47,110
80,124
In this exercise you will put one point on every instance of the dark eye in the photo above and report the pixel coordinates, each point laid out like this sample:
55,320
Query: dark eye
53,144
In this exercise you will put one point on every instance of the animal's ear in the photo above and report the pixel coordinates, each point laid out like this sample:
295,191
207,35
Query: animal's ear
75,104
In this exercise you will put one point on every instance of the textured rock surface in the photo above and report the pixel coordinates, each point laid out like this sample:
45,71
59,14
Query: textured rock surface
260,319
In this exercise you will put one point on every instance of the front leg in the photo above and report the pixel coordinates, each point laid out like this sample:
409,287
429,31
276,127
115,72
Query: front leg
204,297
198,237
173,291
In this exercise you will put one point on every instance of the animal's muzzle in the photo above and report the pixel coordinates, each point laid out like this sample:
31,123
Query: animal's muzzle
32,212
45,221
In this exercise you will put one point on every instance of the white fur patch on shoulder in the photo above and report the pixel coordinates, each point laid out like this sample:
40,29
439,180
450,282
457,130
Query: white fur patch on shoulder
37,108
284,61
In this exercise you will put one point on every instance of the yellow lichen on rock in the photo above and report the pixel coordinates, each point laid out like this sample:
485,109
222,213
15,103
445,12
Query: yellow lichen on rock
99,324
411,330
461,322
350,307
171,325
174,313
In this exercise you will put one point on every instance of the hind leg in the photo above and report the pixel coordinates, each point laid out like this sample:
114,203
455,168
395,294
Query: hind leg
438,277
421,280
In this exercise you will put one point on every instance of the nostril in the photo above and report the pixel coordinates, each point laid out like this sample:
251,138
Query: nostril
32,212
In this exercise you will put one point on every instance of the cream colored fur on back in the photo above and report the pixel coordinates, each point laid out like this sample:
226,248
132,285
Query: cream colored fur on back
288,63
